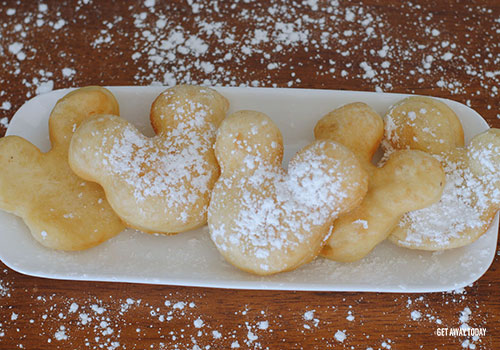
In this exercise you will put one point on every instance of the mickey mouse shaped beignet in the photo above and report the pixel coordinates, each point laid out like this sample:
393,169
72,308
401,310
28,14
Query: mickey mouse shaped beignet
160,184
409,180
471,196
265,220
61,210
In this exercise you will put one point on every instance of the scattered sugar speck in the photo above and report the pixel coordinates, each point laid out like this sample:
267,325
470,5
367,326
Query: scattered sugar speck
415,315
340,336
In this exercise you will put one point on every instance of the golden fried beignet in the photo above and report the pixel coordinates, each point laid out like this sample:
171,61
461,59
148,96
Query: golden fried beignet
61,210
471,196
159,184
409,180
265,220
424,124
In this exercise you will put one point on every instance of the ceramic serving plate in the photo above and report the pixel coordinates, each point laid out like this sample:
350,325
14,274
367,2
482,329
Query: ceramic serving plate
190,259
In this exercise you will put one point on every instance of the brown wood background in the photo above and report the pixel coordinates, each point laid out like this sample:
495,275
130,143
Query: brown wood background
446,48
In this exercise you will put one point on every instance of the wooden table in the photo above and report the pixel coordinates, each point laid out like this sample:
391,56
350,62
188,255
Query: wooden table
446,49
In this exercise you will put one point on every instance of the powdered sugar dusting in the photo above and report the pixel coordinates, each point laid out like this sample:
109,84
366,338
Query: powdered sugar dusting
340,336
171,160
415,315
456,211
183,320
173,168
61,334
276,211
308,315
4,290
466,199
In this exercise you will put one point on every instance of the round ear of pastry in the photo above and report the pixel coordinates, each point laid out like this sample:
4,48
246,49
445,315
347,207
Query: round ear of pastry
236,143
356,126
409,180
160,184
61,210
424,124
470,197
264,220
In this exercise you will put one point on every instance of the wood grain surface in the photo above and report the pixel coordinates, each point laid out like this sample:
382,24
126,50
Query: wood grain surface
447,49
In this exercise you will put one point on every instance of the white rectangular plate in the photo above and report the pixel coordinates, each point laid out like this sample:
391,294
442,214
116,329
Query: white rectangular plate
190,259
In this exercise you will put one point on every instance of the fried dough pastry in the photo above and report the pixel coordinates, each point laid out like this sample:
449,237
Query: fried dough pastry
409,180
264,219
409,125
471,196
61,210
159,184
